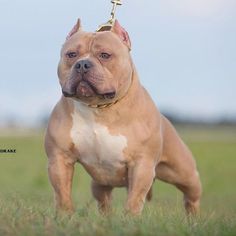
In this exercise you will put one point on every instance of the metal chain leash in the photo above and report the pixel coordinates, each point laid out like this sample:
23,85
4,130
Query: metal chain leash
109,24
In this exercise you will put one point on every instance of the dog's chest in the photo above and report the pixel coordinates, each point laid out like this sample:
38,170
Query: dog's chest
99,151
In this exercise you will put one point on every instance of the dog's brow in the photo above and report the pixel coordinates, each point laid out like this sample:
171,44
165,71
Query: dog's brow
91,43
97,44
100,47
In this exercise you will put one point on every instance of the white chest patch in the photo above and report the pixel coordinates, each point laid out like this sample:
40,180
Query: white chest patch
97,147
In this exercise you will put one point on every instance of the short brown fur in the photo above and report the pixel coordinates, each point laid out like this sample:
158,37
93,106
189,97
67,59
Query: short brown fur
153,149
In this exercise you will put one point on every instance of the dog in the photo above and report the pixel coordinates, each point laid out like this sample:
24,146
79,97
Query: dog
107,122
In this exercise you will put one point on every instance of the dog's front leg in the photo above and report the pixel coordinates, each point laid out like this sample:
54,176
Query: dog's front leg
141,177
60,171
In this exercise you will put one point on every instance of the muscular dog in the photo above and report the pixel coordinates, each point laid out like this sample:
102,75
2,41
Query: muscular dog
107,122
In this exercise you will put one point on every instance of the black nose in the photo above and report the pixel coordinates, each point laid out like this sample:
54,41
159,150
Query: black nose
83,66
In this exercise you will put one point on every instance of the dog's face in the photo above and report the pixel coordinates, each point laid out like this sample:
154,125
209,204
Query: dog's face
96,68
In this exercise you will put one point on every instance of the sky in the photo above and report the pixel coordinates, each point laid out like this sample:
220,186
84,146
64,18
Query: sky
184,51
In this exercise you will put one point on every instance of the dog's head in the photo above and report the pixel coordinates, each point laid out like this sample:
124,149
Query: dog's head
96,68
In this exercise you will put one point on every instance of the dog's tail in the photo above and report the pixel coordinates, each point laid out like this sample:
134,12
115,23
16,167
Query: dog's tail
149,195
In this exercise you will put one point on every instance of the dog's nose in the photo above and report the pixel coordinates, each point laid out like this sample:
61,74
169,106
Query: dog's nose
83,66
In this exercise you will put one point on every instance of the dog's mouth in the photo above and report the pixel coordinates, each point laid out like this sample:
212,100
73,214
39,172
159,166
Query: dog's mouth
85,89
109,95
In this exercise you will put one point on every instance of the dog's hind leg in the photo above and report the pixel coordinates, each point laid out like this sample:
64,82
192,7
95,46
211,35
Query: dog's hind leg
192,193
188,182
103,195
178,167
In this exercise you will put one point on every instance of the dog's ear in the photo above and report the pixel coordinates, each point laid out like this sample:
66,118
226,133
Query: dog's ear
75,29
121,33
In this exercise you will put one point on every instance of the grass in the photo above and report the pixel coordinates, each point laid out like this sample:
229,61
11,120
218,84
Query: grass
26,198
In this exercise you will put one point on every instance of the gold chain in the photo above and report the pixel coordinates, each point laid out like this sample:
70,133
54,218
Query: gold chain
107,26
113,11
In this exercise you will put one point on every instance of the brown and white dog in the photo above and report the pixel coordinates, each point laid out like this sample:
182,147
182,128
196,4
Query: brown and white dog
107,122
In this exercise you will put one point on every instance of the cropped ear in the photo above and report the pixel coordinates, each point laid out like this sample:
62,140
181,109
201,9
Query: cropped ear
121,33
75,29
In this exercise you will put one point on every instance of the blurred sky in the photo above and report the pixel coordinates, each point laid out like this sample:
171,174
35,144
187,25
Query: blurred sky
184,50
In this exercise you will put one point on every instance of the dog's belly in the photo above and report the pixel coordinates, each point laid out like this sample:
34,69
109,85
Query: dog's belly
99,152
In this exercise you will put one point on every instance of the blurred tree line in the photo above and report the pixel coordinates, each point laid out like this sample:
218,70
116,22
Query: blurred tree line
176,119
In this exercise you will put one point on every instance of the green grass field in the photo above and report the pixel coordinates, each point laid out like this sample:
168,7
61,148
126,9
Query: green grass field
26,198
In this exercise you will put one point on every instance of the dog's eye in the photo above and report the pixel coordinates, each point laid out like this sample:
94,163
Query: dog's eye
105,55
71,54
